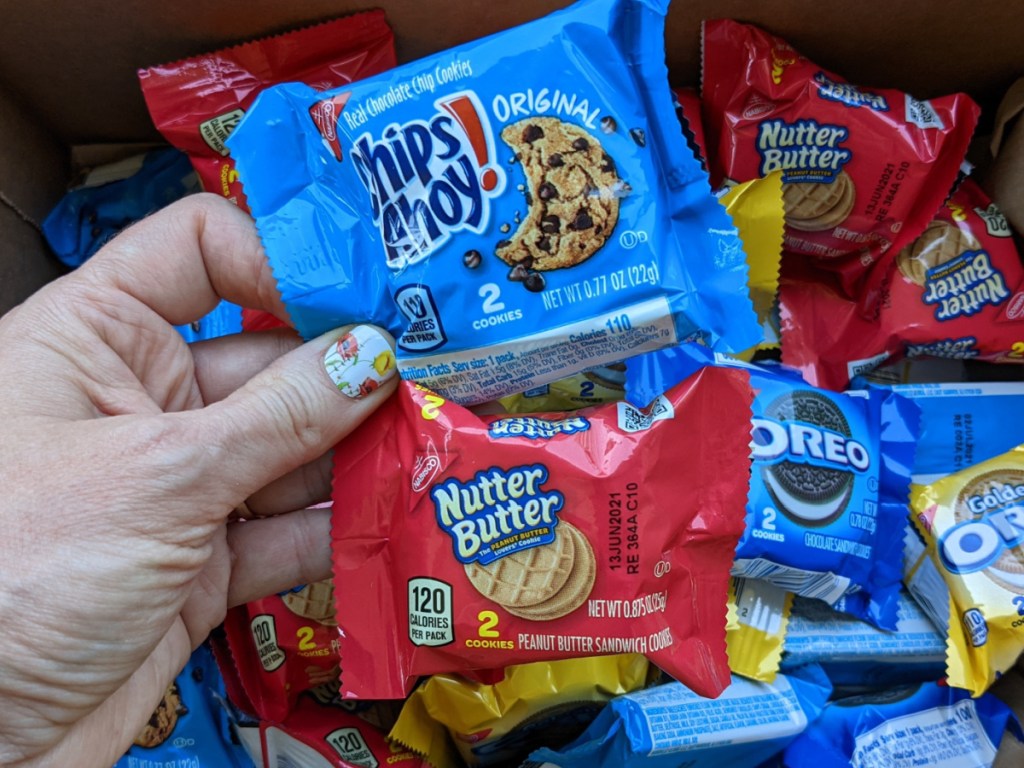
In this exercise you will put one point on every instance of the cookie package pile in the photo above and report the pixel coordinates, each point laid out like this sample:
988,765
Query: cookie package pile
668,480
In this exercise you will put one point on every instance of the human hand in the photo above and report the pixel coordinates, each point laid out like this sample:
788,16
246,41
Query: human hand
124,453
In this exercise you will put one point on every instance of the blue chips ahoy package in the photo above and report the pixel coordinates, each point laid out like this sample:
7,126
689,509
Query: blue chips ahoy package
829,483
669,726
926,725
514,210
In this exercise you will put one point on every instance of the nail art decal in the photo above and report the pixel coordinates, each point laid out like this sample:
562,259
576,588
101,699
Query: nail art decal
360,361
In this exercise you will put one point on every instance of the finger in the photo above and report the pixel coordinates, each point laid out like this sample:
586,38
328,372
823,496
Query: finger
186,257
224,364
278,553
304,487
291,413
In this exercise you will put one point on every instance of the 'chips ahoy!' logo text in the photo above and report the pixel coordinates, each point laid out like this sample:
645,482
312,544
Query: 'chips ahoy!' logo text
429,178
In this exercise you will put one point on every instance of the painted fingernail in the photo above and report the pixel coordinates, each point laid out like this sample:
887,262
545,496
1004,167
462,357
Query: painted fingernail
360,361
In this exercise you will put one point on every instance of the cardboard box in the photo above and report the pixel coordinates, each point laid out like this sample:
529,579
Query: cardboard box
68,88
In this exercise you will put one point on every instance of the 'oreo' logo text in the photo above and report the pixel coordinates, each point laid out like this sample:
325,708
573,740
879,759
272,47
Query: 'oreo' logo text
974,545
497,512
428,179
964,286
804,151
806,443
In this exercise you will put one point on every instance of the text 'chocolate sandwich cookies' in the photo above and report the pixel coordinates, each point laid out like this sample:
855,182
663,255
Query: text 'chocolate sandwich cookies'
471,542
514,211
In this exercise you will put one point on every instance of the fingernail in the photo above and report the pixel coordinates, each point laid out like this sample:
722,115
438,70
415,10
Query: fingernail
360,361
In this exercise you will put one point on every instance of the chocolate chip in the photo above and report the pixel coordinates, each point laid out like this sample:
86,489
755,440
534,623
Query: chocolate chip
194,325
556,161
532,132
608,124
535,282
503,244
581,144
197,674
529,198
182,710
544,244
518,273
550,224
582,221
472,259
638,136
607,164
547,191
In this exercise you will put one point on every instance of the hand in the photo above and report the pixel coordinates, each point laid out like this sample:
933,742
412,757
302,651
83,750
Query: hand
123,453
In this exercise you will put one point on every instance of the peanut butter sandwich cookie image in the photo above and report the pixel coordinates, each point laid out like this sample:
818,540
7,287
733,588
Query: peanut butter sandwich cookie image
815,206
940,243
314,601
573,192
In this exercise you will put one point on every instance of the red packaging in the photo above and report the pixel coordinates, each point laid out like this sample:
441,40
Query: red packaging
864,170
470,542
318,735
688,108
956,292
283,645
196,103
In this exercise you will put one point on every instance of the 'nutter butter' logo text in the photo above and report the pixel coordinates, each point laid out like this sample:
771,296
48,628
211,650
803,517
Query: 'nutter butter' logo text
964,286
543,429
804,151
497,512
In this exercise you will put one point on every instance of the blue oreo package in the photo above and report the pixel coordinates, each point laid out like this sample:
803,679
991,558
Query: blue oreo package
829,483
962,424
189,727
926,725
855,654
669,726
514,210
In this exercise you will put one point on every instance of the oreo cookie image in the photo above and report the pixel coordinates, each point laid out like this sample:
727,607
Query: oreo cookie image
807,494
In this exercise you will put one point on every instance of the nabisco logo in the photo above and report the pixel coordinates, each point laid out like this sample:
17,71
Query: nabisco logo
325,115
1016,307
423,472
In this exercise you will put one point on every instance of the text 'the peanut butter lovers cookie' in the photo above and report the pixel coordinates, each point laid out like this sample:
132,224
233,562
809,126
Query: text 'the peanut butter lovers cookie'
515,211
469,542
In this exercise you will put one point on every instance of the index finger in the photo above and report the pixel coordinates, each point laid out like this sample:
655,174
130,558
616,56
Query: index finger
186,257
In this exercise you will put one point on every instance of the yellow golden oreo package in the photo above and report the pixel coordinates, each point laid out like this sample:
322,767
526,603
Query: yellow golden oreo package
973,522
499,724
758,613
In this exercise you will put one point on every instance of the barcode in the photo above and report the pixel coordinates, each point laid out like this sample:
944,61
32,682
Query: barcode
821,586
921,114
632,419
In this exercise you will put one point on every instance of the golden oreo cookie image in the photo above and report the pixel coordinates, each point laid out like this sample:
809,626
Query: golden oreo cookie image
995,495
939,244
163,720
541,583
814,206
572,195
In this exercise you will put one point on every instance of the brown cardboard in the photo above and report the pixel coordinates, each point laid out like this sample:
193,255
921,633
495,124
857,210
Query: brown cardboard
1005,179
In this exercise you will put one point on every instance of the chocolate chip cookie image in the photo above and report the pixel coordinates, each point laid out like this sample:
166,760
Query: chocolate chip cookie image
940,243
807,494
540,583
163,720
572,191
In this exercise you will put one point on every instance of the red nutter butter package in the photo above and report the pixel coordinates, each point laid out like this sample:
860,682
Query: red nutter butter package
283,645
471,542
864,169
196,103
957,291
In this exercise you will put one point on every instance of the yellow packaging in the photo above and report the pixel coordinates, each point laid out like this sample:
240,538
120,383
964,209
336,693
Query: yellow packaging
755,631
544,703
603,384
973,525
756,210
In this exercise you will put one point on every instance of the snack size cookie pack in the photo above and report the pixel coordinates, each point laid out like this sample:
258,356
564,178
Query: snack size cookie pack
973,525
514,210
473,542
957,292
864,169
828,495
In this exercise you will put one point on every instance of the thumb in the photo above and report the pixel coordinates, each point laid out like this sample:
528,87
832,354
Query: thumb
297,409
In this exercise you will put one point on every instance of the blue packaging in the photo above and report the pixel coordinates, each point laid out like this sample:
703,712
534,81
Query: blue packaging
670,726
829,482
189,727
962,424
926,725
514,210
855,654
223,320
114,197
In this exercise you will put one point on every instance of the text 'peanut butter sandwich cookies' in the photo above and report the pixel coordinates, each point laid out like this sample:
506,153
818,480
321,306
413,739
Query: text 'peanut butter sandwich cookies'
469,542
515,210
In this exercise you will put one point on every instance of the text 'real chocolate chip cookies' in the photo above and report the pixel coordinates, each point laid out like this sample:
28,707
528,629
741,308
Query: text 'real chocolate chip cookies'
572,193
